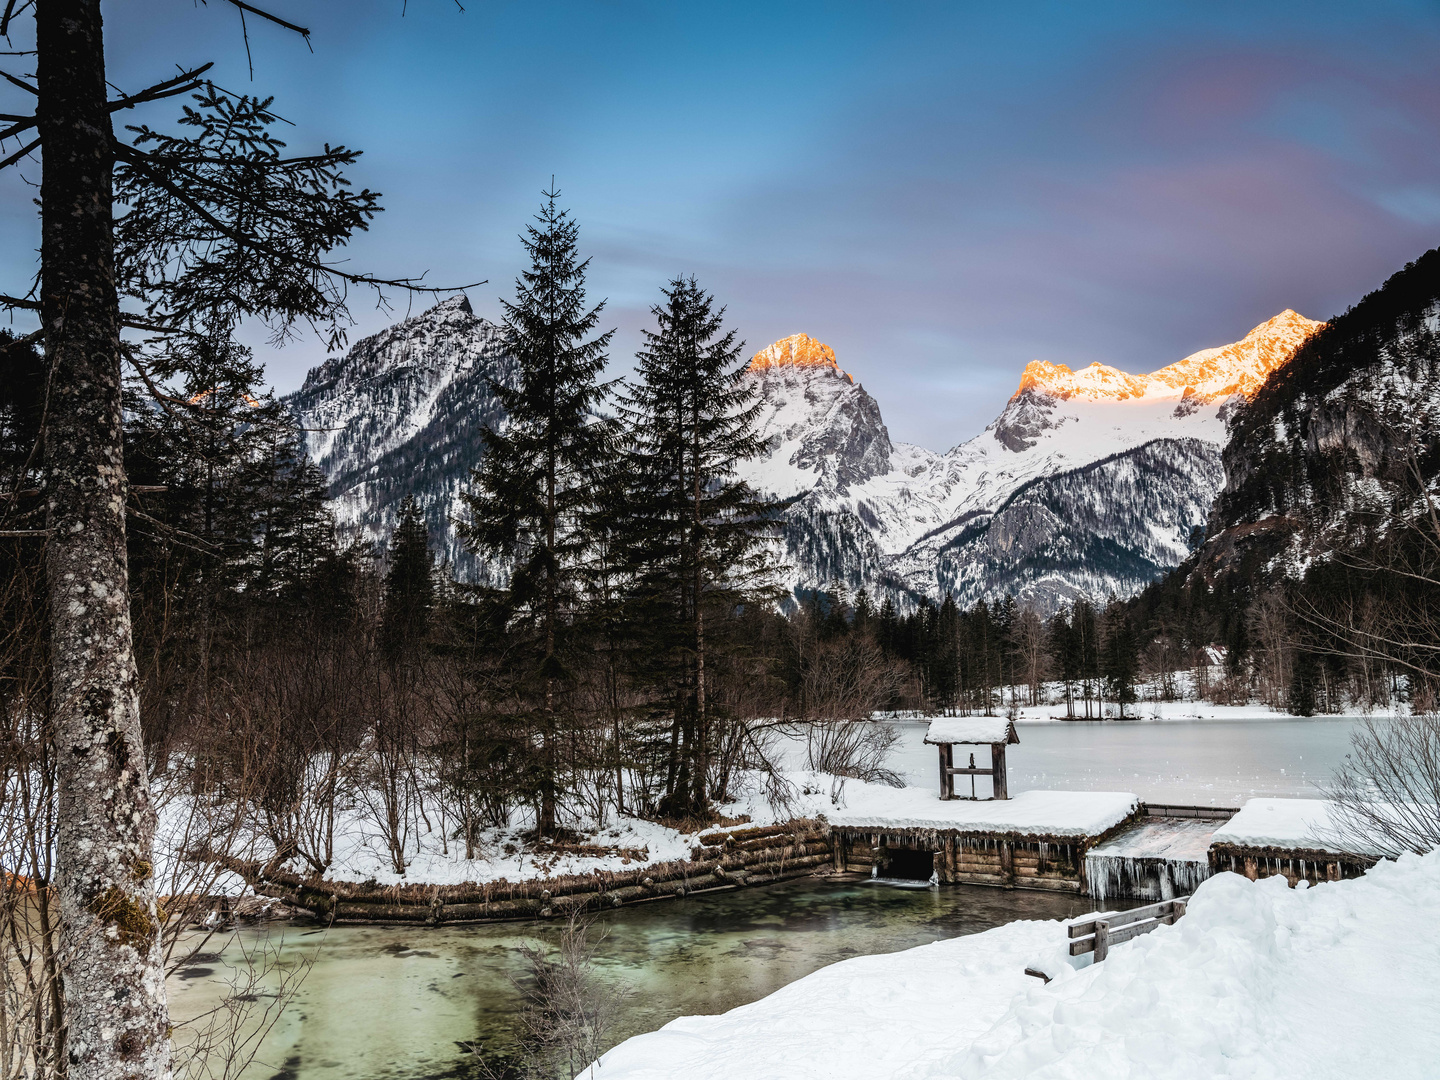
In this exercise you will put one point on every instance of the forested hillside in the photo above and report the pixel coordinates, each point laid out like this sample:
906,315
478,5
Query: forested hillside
1319,569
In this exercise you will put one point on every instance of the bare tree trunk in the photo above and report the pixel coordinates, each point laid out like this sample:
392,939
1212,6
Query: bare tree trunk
109,946
700,798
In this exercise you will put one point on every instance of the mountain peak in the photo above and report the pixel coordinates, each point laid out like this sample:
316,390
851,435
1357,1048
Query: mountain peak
799,351
459,302
1208,375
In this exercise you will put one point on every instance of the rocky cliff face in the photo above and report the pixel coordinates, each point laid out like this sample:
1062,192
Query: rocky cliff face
401,414
1337,437
1089,481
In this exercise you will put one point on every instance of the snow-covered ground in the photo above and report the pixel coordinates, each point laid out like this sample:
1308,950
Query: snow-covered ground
1258,981
1184,686
1057,813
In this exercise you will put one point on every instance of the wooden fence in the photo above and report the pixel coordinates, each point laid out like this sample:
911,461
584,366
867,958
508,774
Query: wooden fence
1099,934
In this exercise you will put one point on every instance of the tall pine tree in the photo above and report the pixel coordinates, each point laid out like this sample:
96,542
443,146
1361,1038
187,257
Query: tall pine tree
696,530
409,586
537,483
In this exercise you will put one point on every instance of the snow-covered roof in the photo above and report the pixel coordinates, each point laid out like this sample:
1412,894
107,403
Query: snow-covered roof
1056,813
971,729
1289,823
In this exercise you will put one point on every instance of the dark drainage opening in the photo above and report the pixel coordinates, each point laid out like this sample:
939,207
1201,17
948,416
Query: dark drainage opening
908,864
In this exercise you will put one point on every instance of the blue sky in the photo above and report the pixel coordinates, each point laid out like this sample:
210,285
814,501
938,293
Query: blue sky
941,192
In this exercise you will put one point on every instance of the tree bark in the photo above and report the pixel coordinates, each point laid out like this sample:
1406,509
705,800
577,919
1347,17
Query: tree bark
109,942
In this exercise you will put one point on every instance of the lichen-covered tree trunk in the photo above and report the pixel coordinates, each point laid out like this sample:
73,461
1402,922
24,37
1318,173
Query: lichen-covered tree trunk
114,987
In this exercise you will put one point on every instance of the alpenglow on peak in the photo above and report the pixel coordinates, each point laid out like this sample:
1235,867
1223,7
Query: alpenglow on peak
797,350
1206,376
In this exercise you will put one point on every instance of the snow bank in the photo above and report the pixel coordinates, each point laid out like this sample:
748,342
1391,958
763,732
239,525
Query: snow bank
1289,823
869,1018
1258,980
969,729
1059,813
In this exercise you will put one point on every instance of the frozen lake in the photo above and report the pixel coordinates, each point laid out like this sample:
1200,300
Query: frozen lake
1205,762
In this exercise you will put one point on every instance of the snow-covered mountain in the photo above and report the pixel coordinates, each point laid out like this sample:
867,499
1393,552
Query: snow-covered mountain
401,414
1089,481
1344,437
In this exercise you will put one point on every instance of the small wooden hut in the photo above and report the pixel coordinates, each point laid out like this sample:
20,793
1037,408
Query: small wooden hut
948,732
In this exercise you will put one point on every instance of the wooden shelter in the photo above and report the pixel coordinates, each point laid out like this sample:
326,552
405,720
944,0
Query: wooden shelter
948,732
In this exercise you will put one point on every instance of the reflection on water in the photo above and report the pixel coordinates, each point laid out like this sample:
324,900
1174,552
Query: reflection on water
388,1002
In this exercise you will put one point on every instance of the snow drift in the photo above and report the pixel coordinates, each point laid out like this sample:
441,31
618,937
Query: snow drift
1258,980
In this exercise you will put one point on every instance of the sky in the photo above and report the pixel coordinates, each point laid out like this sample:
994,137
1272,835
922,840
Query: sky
941,192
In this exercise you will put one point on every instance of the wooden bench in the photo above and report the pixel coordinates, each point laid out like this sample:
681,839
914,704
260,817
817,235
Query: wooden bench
1098,935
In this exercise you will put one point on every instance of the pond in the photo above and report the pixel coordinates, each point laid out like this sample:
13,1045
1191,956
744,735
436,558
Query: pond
410,1003
1206,762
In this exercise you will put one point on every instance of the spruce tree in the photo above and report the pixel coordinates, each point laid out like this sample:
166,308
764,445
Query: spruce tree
537,483
1066,656
695,529
1119,660
409,585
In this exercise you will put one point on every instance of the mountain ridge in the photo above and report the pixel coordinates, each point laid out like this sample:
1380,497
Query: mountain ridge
401,414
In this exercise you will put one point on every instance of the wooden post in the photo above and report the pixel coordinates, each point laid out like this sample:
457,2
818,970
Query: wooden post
1007,863
1252,868
837,851
999,783
947,779
1102,939
951,860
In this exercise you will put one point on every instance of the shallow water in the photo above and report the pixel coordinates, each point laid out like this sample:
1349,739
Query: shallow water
1204,762
383,1002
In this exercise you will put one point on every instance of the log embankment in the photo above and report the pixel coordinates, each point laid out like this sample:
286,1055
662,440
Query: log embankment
721,860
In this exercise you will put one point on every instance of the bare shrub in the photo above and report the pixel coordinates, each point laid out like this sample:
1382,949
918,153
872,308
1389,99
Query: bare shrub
1386,795
568,1015
847,678
855,749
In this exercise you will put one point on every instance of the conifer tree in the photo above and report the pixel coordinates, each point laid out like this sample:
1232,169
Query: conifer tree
537,483
945,655
1065,655
409,586
1085,639
695,528
1119,660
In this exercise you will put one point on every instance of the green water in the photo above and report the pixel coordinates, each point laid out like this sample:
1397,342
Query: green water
411,1003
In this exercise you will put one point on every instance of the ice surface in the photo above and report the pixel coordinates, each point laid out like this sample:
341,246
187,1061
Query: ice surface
1180,839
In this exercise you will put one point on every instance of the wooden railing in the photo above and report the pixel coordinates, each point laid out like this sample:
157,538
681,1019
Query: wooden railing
1099,934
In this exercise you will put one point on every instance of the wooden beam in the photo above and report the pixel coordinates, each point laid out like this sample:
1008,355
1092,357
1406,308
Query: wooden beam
997,764
947,782
1134,915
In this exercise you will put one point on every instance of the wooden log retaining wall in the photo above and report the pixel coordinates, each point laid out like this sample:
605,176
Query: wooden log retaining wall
722,860
1294,864
1007,860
